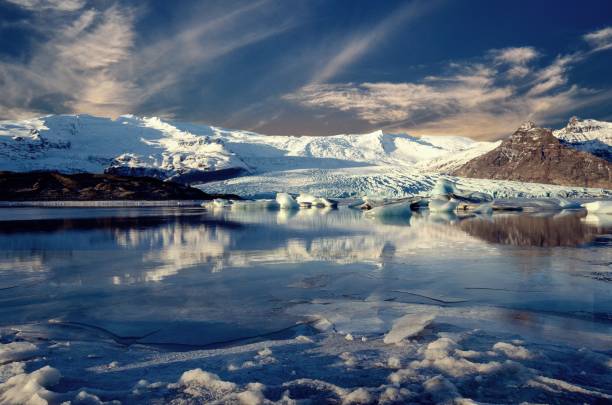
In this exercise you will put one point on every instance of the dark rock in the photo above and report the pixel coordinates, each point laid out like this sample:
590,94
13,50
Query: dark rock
53,186
534,155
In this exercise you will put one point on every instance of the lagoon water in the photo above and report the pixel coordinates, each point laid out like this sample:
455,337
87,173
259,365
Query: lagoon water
303,301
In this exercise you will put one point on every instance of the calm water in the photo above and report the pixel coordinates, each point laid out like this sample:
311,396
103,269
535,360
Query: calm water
187,278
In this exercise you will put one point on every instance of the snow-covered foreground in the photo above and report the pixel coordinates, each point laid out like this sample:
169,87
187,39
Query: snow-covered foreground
308,306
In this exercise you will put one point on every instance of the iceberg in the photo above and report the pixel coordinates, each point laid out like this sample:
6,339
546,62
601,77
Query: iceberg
402,209
286,201
444,187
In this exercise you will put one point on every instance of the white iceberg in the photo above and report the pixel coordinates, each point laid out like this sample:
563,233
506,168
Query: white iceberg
306,199
286,201
391,210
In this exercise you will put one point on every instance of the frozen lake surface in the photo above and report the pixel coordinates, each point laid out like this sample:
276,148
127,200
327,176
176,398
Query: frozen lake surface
162,305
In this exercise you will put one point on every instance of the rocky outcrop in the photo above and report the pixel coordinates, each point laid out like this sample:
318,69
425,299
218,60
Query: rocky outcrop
534,155
53,186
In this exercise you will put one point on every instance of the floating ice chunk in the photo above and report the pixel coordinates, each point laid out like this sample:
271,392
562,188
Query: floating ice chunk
600,207
442,205
391,210
359,396
407,326
443,187
324,202
512,351
205,381
306,199
286,201
85,398
220,202
30,388
443,391
392,395
394,362
217,203
348,337
15,351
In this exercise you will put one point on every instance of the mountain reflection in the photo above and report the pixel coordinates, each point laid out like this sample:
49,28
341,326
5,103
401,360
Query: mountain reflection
564,229
160,244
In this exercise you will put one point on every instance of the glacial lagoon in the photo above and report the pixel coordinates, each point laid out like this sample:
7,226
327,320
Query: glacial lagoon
155,305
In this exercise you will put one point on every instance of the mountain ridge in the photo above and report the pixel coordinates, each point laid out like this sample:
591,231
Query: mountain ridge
535,155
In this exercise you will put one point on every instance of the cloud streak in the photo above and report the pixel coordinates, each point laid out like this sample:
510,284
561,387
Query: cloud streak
360,43
600,40
482,100
91,64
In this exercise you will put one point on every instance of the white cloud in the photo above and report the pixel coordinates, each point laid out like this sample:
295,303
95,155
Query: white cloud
42,5
90,65
554,75
470,100
517,56
76,68
601,39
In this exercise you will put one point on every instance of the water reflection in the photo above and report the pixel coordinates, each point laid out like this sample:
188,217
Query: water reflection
196,277
563,229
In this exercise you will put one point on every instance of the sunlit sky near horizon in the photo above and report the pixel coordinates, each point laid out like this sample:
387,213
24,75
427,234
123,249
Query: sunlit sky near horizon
474,68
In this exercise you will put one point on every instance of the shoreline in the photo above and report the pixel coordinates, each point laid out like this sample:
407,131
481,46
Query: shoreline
103,203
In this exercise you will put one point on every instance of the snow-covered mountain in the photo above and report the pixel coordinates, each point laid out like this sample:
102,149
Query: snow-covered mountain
128,145
588,135
251,164
151,146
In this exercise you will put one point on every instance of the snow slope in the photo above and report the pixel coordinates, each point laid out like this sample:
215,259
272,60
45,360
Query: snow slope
71,143
588,135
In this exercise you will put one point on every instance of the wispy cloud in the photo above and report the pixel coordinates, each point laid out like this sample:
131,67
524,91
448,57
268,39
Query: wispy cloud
470,99
91,64
42,5
75,70
517,58
361,42
601,39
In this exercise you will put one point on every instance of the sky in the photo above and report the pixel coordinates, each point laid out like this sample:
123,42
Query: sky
476,68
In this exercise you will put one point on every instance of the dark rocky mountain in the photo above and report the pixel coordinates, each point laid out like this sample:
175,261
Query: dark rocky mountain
47,186
535,155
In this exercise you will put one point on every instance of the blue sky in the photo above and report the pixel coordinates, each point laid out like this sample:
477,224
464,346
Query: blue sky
473,67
